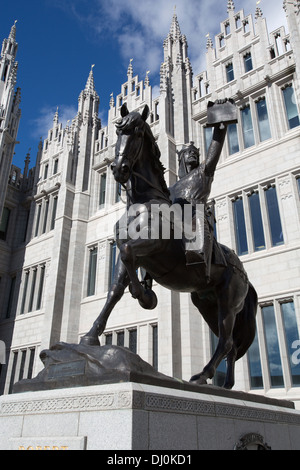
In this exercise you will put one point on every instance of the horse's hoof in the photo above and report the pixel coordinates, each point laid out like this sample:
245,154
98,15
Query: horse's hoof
90,341
198,380
149,300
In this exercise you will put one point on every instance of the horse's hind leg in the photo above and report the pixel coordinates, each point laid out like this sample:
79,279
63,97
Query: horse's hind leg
226,323
231,358
116,291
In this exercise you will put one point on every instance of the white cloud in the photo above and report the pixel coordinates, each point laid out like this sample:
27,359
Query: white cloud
44,121
140,26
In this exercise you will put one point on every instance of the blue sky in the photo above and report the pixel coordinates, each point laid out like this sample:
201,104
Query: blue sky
59,40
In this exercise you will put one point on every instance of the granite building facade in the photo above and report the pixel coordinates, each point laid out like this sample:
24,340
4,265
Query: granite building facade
58,244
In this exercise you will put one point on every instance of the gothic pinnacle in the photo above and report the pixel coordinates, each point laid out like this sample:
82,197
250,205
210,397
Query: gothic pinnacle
230,6
258,11
90,85
12,34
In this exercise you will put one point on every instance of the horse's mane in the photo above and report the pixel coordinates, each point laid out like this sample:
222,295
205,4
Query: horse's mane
130,120
158,166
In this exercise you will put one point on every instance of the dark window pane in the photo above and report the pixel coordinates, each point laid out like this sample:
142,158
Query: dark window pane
92,272
248,62
233,141
256,221
291,335
113,257
240,227
291,107
133,340
155,347
263,120
120,338
274,217
229,72
256,379
102,190
247,127
4,223
272,343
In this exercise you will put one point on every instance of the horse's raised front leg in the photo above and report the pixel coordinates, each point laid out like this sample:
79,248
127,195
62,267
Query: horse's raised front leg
129,252
116,291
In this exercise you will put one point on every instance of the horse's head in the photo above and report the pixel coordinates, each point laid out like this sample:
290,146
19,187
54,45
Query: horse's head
130,130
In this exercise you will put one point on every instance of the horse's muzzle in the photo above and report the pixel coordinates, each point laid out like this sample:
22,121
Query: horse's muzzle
121,173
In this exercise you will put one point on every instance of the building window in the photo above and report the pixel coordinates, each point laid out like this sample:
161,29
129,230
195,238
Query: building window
291,107
11,296
38,218
247,126
254,364
118,192
22,365
272,347
34,281
4,223
233,141
13,371
127,338
46,210
120,338
263,120
92,272
102,190
274,216
248,62
256,222
112,262
229,72
240,227
26,282
32,291
298,184
133,340
291,338
55,169
155,346
208,134
108,338
46,171
41,288
54,210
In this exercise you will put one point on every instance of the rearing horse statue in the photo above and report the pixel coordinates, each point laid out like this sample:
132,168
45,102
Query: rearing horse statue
226,299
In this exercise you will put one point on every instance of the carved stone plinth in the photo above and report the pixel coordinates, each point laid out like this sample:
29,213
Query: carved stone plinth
132,416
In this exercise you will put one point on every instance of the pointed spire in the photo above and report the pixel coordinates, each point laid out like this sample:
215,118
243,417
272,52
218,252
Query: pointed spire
258,11
147,81
90,85
130,69
27,161
55,118
12,34
111,101
175,28
230,6
209,42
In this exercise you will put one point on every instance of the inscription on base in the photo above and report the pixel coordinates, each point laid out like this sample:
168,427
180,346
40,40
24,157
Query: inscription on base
66,369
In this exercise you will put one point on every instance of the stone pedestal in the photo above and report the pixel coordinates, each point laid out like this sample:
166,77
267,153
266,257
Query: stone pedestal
134,416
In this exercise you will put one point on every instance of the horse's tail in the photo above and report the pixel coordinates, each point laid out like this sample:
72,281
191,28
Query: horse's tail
245,324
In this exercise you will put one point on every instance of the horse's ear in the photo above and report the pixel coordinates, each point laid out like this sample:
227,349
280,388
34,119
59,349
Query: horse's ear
145,113
124,110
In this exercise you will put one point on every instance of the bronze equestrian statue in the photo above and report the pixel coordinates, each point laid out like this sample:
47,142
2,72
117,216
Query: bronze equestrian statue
212,274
